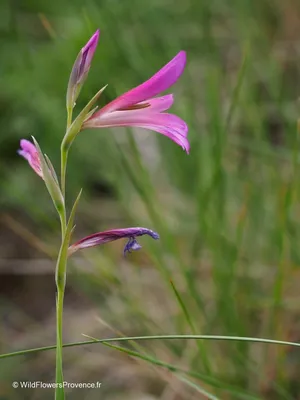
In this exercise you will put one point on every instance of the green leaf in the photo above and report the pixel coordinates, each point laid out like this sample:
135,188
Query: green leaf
197,388
76,126
200,346
237,89
156,337
51,168
172,368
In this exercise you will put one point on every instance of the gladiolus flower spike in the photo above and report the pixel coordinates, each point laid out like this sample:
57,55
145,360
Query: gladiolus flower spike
139,108
30,153
112,235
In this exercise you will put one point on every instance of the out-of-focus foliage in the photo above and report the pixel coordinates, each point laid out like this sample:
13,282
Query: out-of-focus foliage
228,214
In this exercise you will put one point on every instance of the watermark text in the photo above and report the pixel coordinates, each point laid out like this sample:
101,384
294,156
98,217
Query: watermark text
54,385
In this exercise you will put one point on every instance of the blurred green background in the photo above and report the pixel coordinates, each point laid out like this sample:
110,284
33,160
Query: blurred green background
228,214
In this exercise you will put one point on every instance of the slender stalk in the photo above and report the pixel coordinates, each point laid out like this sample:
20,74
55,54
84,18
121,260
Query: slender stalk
63,223
64,157
64,154
60,273
59,378
60,278
69,117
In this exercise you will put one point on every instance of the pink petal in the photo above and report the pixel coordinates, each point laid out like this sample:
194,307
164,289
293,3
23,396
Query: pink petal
136,117
81,69
29,152
159,104
92,43
87,53
159,82
167,124
171,134
27,146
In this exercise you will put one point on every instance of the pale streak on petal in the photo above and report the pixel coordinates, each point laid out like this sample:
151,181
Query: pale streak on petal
167,124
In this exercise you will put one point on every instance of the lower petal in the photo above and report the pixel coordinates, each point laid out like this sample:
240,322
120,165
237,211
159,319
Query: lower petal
167,124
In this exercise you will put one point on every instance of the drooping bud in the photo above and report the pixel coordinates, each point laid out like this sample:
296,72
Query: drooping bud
114,234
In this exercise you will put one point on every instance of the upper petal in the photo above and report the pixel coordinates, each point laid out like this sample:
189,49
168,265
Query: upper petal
159,82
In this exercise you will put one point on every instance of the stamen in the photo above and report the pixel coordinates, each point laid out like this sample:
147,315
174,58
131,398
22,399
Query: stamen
135,107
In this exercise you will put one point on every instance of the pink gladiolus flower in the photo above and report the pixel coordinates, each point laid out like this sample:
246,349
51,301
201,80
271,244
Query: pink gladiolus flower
139,108
111,235
29,152
81,68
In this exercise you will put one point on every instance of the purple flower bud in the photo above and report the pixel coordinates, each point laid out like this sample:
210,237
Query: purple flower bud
29,152
80,69
114,234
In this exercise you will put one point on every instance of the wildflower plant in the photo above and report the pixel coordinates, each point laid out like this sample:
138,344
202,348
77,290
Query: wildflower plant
136,108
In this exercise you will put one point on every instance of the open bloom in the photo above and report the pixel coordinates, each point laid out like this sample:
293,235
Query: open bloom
81,69
29,152
139,108
112,235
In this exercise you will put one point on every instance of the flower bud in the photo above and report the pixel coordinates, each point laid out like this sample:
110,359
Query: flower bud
81,69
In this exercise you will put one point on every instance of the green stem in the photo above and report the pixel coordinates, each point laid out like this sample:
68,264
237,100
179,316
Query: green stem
63,224
59,392
64,150
60,273
60,278
69,117
64,157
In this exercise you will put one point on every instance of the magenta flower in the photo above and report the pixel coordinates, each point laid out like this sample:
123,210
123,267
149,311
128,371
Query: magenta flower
29,152
139,108
111,235
81,68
